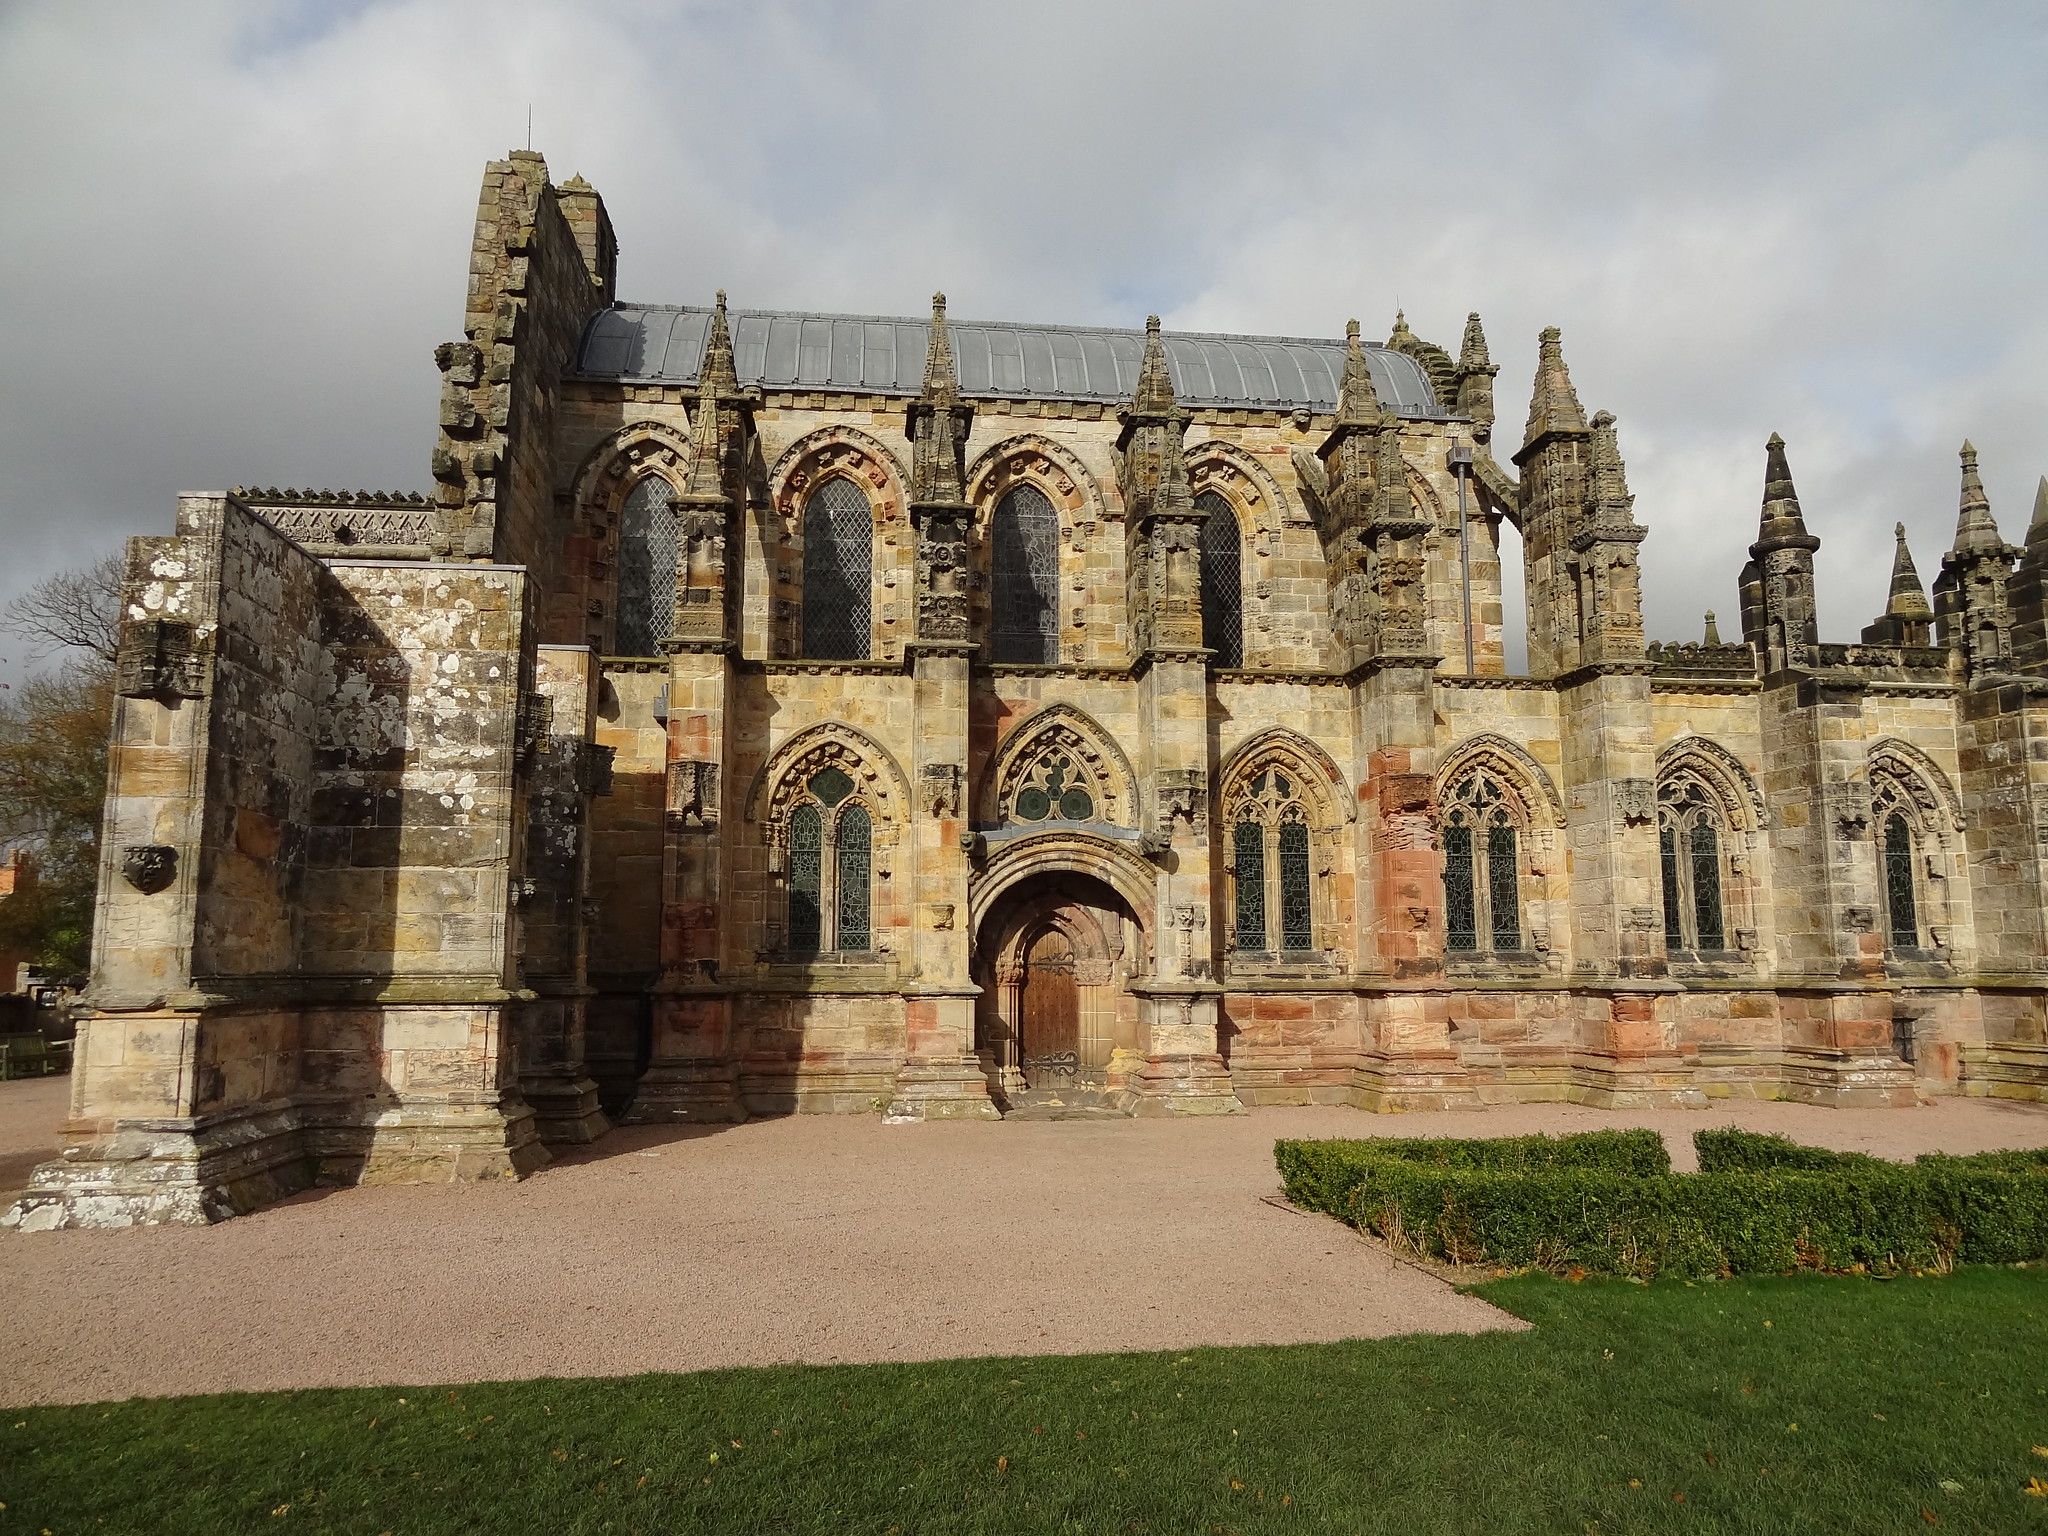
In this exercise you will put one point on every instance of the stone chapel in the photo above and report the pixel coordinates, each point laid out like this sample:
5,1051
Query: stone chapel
776,712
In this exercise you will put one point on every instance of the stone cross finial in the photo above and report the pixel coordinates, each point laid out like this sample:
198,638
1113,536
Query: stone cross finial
1554,404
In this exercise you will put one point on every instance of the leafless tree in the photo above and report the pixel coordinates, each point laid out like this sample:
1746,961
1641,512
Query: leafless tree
73,611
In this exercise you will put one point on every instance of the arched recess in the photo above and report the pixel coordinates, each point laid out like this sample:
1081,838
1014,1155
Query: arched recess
599,490
800,469
1032,460
1697,777
1541,805
1058,734
1909,791
1069,850
1287,880
1069,1039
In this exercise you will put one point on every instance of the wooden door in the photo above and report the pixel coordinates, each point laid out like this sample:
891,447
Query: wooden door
1049,1030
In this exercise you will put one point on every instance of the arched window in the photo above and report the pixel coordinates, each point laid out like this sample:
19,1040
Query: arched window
647,568
1024,620
839,558
1270,856
831,867
1689,843
1222,582
1482,870
1901,903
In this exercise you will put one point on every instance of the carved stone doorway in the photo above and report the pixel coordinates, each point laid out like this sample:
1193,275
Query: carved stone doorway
1053,958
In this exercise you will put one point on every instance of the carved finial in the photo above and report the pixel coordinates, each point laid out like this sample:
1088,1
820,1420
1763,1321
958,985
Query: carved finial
1608,501
1358,403
1400,331
1713,634
1908,599
1975,529
941,381
717,370
1554,404
1472,353
1781,498
1154,394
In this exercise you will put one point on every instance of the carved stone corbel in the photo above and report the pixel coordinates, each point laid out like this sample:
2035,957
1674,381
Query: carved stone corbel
692,795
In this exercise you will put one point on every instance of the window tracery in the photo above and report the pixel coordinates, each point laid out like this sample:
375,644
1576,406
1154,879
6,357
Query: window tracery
830,867
1057,766
1222,581
1024,624
648,548
838,572
1690,844
1273,882
1481,838
1914,817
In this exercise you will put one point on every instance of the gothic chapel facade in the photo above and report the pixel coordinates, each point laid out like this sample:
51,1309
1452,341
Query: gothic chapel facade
778,712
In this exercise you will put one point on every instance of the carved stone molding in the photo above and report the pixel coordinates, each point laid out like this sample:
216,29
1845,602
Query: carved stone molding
149,867
692,795
940,787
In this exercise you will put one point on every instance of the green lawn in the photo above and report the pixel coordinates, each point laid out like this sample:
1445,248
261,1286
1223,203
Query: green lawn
1805,1404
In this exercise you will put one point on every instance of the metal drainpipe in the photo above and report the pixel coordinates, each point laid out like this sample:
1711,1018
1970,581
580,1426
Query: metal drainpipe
1461,465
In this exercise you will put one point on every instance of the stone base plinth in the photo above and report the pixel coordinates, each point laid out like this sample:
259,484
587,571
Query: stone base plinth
687,1092
424,1143
2011,1070
949,1088
565,1108
1611,1080
1848,1079
1270,1075
1410,1081
173,1171
847,1083
1181,1085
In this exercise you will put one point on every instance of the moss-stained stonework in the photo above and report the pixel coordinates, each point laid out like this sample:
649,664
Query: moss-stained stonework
409,873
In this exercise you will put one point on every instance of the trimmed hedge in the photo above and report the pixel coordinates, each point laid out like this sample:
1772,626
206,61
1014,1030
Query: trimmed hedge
1608,1203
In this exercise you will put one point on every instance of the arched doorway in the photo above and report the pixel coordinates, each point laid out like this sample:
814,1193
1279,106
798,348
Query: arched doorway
1053,958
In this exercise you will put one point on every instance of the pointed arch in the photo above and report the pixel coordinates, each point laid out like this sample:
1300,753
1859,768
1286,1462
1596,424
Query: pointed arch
830,743
1920,779
1240,479
1058,734
1722,773
1520,774
611,508
1035,459
1317,768
804,469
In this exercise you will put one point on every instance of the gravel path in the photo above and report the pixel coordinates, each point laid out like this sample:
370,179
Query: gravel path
807,1239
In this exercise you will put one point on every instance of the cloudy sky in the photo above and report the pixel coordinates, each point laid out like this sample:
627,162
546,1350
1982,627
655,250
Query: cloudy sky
237,231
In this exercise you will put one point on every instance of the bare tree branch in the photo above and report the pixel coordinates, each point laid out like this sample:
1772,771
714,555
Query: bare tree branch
77,611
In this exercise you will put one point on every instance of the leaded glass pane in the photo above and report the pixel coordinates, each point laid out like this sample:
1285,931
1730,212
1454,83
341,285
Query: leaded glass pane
1250,848
1502,887
1667,850
855,859
1222,582
647,568
838,569
1461,909
1899,904
806,879
1296,925
831,785
1024,619
1706,885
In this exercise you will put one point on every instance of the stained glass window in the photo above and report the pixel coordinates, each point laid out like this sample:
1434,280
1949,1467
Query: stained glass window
1250,848
1025,559
1461,909
838,570
1296,926
1222,582
1503,887
856,836
806,879
1667,850
647,568
831,785
1901,907
1706,885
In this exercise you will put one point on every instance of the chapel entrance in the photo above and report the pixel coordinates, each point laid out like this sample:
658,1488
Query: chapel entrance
1053,959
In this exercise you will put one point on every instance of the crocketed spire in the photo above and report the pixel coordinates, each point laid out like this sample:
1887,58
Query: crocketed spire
1976,532
718,386
1908,598
1607,495
718,372
941,379
1554,407
1472,354
1154,394
1358,403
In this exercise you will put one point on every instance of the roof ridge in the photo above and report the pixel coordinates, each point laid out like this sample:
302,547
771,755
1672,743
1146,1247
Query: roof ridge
1136,332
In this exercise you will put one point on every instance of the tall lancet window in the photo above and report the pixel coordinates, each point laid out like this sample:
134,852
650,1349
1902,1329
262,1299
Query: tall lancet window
1901,904
1271,886
1024,618
1222,582
647,568
839,558
1689,846
831,865
1482,867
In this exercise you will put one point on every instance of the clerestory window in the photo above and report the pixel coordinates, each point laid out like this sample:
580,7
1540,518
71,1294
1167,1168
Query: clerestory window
1222,581
1024,557
839,558
647,569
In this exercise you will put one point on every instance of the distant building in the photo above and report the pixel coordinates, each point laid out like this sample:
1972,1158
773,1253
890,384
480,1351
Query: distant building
774,712
17,875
